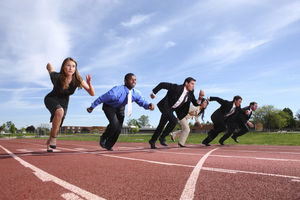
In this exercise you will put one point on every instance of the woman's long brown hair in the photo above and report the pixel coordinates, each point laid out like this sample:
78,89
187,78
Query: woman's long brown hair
76,78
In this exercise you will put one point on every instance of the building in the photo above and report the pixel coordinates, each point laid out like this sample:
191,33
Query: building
82,129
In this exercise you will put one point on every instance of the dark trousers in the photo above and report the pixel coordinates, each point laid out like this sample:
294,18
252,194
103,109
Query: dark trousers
232,127
219,126
243,129
166,117
115,117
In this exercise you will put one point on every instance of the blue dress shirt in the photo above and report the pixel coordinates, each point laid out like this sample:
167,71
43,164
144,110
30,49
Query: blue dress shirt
117,97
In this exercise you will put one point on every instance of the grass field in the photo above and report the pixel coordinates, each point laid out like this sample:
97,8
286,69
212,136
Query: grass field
249,138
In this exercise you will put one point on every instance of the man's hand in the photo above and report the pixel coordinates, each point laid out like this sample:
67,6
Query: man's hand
152,96
151,106
247,112
250,124
201,94
90,109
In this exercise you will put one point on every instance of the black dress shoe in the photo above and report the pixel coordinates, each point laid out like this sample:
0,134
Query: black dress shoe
172,138
49,150
235,139
180,145
163,141
109,148
52,146
206,144
102,142
152,144
221,142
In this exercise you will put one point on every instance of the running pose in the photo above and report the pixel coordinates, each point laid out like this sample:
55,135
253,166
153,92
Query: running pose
64,84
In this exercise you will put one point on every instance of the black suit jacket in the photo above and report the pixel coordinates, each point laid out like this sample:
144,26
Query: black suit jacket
225,108
172,96
242,117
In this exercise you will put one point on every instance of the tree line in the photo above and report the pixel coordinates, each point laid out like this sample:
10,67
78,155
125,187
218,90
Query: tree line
274,119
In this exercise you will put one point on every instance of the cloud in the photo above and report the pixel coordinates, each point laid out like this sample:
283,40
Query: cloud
136,20
170,44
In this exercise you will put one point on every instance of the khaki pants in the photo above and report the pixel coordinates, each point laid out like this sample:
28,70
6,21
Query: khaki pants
183,133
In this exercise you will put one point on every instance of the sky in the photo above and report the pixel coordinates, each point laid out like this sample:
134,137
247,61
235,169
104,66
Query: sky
231,47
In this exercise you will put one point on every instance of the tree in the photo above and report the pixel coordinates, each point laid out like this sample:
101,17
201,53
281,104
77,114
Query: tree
132,122
298,114
143,121
291,121
11,127
270,117
23,130
30,129
3,127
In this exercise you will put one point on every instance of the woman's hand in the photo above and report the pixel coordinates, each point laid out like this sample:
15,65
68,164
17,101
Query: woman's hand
88,85
88,79
50,68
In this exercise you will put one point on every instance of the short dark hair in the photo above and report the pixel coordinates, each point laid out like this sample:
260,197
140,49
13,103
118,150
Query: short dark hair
128,76
237,97
252,103
189,79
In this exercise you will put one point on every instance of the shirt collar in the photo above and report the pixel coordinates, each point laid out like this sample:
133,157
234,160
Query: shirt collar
126,89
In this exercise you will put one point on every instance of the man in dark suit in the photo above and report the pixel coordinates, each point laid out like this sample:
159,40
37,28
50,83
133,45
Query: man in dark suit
239,124
220,116
178,99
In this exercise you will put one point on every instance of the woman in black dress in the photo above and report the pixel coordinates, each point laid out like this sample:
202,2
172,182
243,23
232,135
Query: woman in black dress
64,84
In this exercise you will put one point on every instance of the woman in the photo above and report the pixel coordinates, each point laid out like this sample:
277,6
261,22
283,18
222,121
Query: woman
193,112
64,84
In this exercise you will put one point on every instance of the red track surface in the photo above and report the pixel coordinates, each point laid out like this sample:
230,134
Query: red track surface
82,170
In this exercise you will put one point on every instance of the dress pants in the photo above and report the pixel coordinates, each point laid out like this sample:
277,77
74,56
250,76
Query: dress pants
243,129
115,117
183,133
219,126
166,117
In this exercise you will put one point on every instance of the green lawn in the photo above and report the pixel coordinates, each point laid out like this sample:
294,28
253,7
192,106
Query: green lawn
249,138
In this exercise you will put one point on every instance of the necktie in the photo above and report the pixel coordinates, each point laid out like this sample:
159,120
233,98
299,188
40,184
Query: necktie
129,106
184,100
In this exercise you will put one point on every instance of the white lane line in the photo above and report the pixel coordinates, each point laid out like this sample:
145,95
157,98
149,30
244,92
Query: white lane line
225,156
229,171
190,186
44,176
81,149
149,161
23,150
70,196
141,149
262,151
296,180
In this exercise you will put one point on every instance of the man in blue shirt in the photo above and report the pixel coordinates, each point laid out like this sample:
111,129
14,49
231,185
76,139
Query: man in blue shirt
114,102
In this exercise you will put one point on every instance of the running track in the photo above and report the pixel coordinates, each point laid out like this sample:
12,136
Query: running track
82,170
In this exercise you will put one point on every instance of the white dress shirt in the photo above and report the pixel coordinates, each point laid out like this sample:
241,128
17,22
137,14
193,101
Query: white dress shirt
181,98
231,111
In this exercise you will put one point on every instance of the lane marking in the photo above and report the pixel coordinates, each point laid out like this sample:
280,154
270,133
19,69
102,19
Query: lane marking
296,180
23,150
149,161
246,157
141,149
190,186
107,153
70,196
44,176
229,171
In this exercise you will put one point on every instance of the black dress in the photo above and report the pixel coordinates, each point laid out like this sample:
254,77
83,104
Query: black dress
58,97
